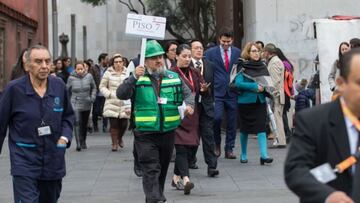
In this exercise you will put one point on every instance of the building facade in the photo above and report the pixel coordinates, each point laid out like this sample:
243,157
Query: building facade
289,25
22,24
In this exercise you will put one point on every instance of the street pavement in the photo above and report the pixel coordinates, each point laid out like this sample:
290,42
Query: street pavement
97,175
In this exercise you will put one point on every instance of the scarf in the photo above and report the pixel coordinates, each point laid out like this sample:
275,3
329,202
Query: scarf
255,68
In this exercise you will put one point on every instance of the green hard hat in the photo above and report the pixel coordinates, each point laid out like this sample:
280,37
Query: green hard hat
153,48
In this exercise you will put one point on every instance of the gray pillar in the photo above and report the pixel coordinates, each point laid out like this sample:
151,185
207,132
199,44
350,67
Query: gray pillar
107,27
73,40
55,29
84,43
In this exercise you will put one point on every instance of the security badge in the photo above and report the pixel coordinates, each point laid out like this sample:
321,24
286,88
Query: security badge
44,129
162,100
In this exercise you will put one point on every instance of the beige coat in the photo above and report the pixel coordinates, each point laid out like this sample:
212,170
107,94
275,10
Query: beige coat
276,69
114,107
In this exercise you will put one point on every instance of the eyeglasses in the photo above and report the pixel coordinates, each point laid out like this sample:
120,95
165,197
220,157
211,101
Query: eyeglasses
118,61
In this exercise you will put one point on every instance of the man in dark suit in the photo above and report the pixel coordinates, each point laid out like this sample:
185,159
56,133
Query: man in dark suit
223,57
206,110
328,133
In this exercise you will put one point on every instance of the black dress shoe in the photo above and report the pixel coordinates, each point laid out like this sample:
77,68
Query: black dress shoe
212,172
230,155
267,160
193,166
138,172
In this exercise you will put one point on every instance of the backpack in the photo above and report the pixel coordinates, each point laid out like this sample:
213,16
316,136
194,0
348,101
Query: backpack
288,82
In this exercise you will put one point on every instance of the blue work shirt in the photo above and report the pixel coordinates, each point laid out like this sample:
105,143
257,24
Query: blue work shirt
22,110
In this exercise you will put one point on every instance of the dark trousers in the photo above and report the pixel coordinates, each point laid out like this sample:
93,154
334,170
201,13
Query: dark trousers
136,158
31,190
183,153
206,126
154,153
286,125
81,121
229,107
98,107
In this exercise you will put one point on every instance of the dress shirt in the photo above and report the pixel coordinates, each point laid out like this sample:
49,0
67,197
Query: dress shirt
223,54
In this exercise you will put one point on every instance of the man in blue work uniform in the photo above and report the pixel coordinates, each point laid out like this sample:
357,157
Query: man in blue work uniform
40,118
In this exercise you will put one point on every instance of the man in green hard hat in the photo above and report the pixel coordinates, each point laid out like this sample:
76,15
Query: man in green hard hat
156,94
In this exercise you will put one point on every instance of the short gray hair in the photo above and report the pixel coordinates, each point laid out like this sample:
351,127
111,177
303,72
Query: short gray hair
29,50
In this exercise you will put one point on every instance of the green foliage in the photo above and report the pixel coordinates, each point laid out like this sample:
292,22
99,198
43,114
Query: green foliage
94,2
186,19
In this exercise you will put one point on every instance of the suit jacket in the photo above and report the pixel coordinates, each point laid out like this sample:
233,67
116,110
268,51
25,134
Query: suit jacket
320,137
276,69
221,76
207,100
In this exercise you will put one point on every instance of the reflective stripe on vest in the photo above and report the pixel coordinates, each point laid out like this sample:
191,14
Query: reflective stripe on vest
151,116
172,118
144,118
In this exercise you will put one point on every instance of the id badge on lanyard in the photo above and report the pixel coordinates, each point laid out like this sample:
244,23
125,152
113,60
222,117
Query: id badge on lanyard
160,100
44,129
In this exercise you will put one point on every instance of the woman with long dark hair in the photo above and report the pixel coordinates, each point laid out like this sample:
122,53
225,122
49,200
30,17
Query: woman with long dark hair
335,69
288,89
60,70
251,101
19,68
170,54
186,135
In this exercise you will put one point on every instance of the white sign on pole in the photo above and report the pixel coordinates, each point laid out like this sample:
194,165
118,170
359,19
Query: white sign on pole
145,27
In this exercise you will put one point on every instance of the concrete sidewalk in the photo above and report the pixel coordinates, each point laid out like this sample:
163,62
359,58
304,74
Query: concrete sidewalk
97,175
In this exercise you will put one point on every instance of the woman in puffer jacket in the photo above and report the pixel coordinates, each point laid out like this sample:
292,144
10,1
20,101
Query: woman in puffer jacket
82,92
117,110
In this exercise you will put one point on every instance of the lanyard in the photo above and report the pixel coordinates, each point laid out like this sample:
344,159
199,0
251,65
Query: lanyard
354,120
158,87
189,80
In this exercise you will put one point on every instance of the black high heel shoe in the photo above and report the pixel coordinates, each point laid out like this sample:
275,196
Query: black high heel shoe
267,160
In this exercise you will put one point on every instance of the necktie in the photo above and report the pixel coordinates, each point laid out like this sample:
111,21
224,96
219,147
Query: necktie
199,67
198,63
227,63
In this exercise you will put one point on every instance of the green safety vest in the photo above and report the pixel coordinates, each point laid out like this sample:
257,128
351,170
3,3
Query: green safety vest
148,113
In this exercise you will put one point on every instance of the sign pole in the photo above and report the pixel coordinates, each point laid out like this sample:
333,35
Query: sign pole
142,53
145,27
